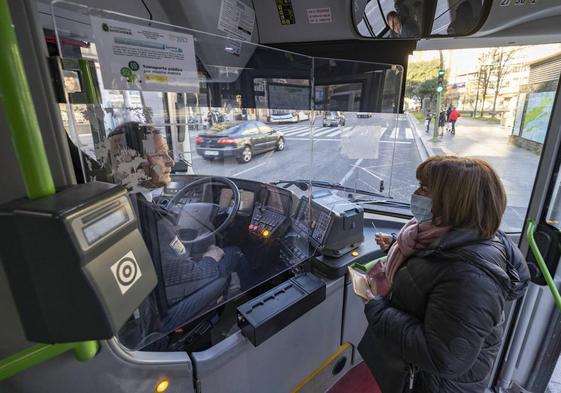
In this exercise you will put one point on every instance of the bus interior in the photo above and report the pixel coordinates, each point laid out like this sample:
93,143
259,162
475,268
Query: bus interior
281,142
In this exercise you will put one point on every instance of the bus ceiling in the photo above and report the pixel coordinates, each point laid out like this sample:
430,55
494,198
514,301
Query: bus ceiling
426,24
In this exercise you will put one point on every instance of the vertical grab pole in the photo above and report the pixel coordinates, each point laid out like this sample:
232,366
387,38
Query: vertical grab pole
32,158
541,263
20,113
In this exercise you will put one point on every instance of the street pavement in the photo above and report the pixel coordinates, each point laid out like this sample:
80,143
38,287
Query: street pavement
377,154
515,166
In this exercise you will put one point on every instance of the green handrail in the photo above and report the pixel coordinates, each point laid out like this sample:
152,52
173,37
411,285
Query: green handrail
20,116
40,353
32,158
541,263
89,84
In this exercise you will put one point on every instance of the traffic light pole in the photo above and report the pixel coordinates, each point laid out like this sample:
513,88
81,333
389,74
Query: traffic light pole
439,89
436,118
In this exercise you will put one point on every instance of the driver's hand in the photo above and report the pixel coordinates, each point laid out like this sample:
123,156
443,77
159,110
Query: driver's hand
214,252
383,240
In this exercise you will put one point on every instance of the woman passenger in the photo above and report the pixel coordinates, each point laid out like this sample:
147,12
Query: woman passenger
451,272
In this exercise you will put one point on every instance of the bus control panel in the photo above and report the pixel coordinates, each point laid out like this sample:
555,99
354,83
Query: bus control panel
269,217
333,224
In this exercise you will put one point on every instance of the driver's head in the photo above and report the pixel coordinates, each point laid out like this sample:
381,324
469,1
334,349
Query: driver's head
140,154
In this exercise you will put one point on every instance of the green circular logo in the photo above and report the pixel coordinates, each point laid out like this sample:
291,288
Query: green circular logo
133,65
126,72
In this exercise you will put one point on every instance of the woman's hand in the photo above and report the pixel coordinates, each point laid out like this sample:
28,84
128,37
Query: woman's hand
383,240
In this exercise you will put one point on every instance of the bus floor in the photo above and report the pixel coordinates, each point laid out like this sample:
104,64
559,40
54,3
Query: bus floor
357,380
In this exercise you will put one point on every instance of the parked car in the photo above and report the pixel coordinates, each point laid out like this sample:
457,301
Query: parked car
239,140
333,119
363,115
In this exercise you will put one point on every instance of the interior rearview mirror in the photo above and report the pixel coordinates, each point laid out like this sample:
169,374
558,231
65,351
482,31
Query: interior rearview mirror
389,18
416,19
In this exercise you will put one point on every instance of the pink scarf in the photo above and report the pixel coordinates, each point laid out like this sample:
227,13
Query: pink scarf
413,237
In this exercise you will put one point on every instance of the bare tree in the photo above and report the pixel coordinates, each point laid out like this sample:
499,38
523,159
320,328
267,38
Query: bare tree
502,66
486,70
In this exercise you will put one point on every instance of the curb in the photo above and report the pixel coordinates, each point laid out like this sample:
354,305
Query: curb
425,151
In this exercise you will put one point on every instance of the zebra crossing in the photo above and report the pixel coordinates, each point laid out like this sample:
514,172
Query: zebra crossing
303,132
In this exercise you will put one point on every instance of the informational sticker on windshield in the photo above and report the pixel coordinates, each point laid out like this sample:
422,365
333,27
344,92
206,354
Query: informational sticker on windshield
319,15
286,12
236,19
136,57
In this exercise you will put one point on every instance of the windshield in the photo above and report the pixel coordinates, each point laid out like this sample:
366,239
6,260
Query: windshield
194,133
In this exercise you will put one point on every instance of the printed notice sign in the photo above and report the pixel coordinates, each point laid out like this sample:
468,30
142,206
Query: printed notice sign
319,15
236,19
134,57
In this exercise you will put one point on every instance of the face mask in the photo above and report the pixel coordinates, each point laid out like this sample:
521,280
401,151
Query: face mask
421,207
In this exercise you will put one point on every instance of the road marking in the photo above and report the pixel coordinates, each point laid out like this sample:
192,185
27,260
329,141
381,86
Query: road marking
350,172
339,140
293,127
320,129
323,132
393,134
315,140
297,131
249,169
334,133
408,133
300,133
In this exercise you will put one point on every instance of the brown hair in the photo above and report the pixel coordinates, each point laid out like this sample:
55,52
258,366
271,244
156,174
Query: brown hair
466,193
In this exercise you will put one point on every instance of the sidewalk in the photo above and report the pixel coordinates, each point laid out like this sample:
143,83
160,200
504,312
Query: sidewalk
515,166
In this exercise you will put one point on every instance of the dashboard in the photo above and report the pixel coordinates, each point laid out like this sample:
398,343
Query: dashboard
275,217
246,202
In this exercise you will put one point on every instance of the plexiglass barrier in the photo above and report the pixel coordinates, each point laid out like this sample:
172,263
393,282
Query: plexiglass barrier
219,141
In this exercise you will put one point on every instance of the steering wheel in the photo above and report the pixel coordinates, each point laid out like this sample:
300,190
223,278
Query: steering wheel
194,220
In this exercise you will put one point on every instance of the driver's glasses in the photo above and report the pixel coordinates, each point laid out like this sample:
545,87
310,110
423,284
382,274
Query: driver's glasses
164,156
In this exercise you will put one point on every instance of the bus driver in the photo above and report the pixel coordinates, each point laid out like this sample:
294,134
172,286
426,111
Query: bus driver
140,160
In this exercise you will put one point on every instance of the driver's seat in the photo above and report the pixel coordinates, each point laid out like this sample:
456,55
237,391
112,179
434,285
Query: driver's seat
149,216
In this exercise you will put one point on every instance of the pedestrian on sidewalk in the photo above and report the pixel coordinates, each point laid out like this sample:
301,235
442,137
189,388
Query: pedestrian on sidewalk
428,119
448,111
453,118
442,121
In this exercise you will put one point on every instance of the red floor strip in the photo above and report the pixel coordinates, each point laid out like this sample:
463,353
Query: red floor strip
357,380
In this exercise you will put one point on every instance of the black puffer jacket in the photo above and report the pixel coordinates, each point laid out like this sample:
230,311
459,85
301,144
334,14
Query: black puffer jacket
442,328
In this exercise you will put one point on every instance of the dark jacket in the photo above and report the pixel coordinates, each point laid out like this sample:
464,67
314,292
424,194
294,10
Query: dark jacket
442,119
445,320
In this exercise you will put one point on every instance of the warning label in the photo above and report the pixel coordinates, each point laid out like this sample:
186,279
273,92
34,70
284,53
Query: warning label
319,15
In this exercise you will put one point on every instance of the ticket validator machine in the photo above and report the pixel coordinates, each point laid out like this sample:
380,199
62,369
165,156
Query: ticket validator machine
76,262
